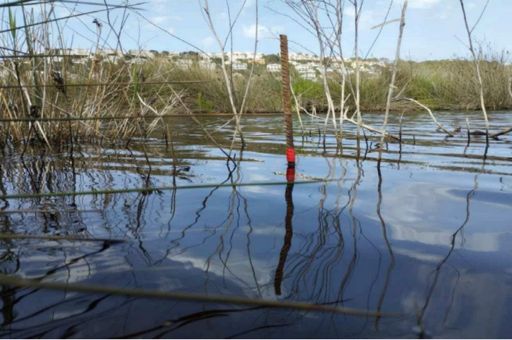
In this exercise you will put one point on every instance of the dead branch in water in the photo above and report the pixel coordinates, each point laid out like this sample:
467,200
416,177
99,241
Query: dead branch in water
491,135
439,125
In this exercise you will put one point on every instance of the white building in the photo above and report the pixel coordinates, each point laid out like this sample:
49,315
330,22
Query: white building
141,54
303,57
237,57
207,65
272,68
307,71
184,63
239,66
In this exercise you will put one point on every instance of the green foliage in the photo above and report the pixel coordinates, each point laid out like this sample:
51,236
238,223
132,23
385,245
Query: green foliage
272,59
309,89
204,104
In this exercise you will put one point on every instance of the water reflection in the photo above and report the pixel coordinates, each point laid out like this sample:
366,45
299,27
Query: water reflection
378,237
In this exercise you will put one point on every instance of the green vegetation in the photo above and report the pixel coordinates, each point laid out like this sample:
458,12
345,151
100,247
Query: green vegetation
103,88
441,85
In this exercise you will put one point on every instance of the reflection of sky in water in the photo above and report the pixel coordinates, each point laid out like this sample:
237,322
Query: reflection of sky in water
348,248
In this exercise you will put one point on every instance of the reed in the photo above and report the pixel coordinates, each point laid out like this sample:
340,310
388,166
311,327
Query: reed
40,80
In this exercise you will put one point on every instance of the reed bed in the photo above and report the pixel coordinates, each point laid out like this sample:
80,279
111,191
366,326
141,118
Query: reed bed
442,85
41,81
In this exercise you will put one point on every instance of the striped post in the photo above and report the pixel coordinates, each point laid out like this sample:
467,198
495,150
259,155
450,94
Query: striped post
290,172
287,108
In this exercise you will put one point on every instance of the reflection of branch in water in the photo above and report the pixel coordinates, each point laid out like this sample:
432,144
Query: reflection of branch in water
9,294
391,265
235,201
321,252
228,222
248,244
355,224
174,324
204,203
70,323
311,251
430,291
65,266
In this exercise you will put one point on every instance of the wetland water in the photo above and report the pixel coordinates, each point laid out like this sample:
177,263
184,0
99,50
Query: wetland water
428,235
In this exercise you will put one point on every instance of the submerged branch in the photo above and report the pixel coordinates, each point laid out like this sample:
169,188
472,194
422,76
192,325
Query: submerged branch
182,296
148,190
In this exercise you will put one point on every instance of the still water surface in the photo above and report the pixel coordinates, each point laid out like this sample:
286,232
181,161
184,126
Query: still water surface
427,234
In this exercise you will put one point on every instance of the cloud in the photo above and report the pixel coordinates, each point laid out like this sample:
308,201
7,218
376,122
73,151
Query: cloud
263,31
159,20
208,42
423,4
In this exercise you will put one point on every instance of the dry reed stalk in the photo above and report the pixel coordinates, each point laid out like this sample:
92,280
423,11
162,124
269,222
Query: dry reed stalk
357,14
227,79
395,67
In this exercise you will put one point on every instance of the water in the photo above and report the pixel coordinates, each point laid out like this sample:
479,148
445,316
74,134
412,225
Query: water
426,234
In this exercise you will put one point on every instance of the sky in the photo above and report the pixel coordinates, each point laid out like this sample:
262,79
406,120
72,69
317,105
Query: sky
434,28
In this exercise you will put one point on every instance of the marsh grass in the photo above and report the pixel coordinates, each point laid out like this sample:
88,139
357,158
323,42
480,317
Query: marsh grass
441,85
39,79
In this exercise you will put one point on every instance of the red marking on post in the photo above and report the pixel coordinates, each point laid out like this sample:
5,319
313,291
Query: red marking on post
290,174
290,155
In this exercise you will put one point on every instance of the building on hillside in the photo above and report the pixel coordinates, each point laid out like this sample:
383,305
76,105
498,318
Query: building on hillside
302,57
207,65
237,57
239,66
306,71
141,54
273,68
184,64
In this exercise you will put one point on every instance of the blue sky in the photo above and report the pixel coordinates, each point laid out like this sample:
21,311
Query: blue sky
434,28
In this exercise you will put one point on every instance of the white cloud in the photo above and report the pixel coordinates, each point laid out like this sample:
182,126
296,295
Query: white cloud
263,31
208,42
423,4
159,20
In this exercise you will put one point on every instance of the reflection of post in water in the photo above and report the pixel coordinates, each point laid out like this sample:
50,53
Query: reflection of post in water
288,196
290,157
